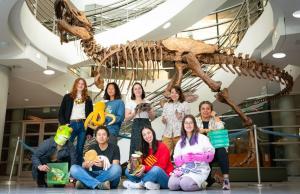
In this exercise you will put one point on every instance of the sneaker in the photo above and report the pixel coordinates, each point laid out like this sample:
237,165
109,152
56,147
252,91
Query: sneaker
132,185
152,186
226,184
104,186
204,185
210,181
80,185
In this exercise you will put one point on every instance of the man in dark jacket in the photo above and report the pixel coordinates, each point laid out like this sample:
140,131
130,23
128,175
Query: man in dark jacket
54,149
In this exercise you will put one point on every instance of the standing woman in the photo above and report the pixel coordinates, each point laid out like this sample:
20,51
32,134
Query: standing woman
173,113
115,106
140,119
156,164
74,109
192,154
206,122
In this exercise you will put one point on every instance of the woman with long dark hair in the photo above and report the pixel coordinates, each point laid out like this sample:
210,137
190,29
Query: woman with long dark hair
192,154
156,164
173,113
74,109
140,117
115,106
206,122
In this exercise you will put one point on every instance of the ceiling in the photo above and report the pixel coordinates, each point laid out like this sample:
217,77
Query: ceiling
38,96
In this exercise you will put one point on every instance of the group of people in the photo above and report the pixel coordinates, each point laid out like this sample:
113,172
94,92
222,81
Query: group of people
181,161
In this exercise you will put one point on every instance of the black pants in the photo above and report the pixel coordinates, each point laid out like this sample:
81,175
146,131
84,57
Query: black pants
40,181
221,157
137,126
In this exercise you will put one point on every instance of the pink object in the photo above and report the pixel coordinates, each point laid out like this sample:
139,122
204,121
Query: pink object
194,157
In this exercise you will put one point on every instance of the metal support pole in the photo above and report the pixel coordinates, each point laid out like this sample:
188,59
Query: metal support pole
257,157
248,13
13,163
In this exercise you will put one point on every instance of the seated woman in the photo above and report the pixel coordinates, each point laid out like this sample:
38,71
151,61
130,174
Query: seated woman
106,172
192,154
54,149
209,121
156,164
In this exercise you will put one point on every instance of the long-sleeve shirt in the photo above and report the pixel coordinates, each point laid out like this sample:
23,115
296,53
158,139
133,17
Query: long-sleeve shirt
200,169
66,108
213,124
161,159
45,151
173,125
117,108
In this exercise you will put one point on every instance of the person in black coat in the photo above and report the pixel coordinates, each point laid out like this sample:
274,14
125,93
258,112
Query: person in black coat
74,109
53,149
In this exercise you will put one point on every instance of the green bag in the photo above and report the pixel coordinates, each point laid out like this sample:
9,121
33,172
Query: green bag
219,138
58,173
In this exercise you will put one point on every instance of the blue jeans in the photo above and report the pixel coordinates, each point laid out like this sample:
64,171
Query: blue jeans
79,132
155,175
92,178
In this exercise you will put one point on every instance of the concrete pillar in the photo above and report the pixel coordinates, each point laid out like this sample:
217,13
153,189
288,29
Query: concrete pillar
290,151
4,82
15,131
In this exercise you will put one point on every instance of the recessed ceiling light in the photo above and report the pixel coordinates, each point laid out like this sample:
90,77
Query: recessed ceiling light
279,55
49,72
167,25
26,99
296,14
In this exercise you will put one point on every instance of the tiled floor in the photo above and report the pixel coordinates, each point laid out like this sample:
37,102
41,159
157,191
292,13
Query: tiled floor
291,187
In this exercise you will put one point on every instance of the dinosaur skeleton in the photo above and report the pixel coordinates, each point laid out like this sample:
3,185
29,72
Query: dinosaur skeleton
187,54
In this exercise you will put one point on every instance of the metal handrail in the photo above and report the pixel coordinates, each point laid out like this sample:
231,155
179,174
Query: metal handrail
249,11
111,15
261,112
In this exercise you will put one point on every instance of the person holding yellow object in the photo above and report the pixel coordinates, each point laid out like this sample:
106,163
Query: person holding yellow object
97,117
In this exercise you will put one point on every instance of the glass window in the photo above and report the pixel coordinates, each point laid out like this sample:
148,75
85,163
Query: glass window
32,128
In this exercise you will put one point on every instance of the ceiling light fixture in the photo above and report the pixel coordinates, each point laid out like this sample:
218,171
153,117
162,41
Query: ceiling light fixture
38,55
26,99
296,14
279,55
167,25
49,72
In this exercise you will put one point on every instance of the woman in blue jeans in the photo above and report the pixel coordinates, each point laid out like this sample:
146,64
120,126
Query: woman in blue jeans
74,109
156,164
103,174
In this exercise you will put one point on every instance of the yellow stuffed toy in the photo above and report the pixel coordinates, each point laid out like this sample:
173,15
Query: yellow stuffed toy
97,117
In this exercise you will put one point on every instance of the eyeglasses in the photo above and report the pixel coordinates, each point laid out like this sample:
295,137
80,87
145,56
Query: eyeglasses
188,123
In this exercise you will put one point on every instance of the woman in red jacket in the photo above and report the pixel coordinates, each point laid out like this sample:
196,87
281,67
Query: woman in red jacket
157,166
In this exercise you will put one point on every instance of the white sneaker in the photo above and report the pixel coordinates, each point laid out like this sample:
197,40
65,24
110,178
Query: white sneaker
203,185
132,185
152,186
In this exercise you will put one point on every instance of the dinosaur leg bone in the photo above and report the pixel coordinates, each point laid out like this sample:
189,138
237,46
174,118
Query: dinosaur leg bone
195,66
177,78
223,96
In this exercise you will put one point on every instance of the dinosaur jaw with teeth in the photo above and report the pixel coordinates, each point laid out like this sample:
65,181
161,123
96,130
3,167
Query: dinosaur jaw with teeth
77,31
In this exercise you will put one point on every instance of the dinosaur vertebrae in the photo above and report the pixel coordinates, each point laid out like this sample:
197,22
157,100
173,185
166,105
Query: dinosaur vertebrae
137,55
147,55
247,67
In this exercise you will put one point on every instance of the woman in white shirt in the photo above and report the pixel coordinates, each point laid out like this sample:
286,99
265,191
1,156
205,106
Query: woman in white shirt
141,119
173,113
